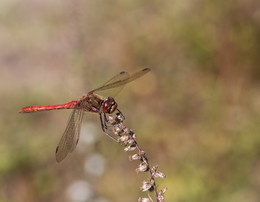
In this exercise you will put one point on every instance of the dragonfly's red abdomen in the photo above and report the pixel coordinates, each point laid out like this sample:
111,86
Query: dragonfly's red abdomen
69,105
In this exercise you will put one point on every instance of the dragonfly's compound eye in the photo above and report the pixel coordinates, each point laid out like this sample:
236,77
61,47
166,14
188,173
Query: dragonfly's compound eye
109,105
113,108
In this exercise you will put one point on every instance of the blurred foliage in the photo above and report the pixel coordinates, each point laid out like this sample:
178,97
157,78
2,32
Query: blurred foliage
196,114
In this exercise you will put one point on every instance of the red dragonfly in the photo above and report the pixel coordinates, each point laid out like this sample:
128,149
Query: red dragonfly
91,102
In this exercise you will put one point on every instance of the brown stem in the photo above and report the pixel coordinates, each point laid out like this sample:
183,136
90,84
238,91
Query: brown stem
150,171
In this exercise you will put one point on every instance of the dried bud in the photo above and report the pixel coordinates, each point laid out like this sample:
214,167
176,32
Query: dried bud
164,189
111,119
154,168
131,132
117,130
142,167
159,174
131,141
124,138
126,130
144,159
147,185
119,117
121,126
144,200
134,136
142,152
130,147
135,157
161,194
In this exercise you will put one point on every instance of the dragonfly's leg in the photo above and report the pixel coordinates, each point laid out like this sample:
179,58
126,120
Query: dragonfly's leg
101,121
105,124
105,121
120,113
104,128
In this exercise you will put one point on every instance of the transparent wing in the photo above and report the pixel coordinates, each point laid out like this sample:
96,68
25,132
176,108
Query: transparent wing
70,137
138,74
116,81
121,79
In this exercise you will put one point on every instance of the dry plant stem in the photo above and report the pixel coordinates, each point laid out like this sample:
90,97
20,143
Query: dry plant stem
127,138
150,171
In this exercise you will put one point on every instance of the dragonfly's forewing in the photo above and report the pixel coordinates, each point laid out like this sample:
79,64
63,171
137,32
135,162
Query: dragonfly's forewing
138,74
70,137
116,81
121,79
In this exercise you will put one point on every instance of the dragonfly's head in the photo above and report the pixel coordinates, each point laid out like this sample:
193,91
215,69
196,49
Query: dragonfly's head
109,105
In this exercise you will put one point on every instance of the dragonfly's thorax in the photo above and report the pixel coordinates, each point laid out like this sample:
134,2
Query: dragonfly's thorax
96,103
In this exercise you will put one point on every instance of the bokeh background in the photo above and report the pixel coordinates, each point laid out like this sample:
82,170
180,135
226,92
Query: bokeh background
196,114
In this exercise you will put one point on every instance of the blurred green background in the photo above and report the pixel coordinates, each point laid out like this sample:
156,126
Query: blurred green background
196,114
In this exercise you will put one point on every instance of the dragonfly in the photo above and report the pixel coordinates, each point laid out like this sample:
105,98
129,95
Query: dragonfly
91,102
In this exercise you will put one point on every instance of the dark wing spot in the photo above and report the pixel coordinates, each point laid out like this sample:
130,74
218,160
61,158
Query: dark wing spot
146,69
57,149
122,72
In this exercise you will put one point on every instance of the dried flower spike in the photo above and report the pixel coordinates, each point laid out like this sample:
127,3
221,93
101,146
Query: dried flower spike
128,137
